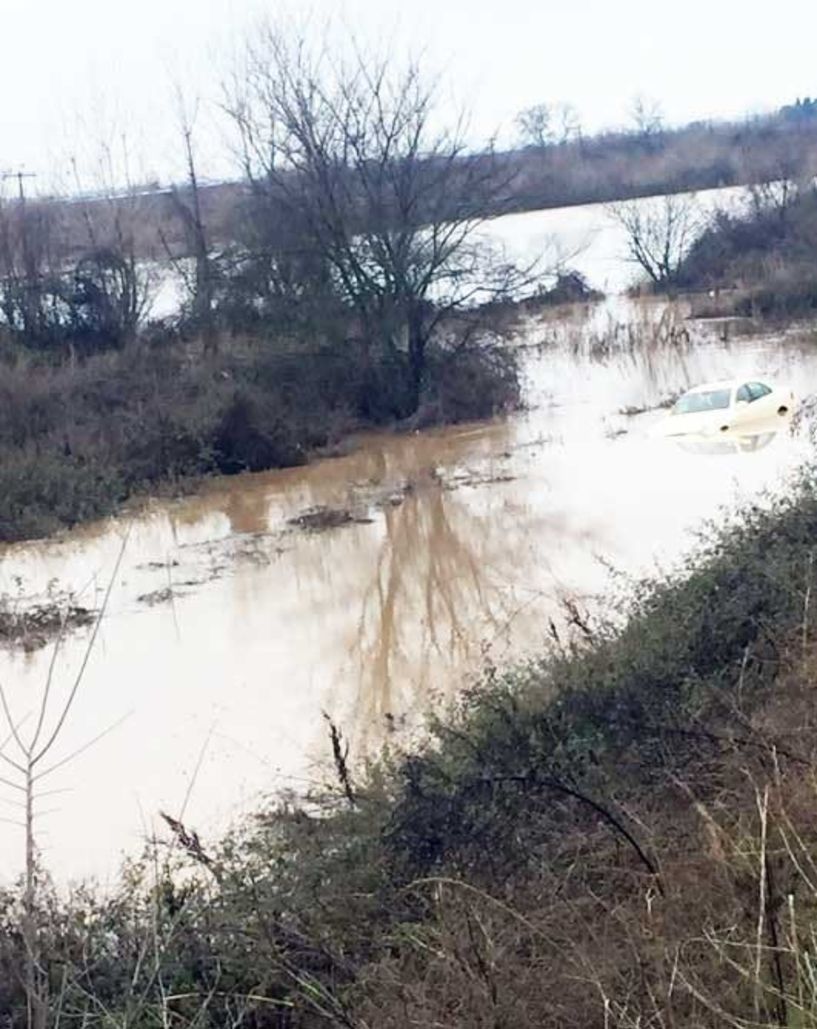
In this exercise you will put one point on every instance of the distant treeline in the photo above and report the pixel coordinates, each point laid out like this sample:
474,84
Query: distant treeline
702,155
610,166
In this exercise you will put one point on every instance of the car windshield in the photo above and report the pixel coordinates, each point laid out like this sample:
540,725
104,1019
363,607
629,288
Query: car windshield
710,400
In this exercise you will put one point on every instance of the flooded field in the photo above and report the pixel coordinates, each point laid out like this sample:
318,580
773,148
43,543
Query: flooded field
369,586
589,238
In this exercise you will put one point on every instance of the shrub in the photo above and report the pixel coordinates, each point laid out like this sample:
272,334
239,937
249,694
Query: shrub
772,249
247,441
475,383
42,491
78,438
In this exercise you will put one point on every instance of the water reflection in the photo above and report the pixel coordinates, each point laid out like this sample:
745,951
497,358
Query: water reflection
436,588
726,442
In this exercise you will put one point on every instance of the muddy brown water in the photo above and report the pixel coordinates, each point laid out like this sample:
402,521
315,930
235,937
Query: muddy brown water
230,630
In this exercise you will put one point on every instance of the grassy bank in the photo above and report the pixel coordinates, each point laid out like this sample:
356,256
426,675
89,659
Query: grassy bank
78,439
618,834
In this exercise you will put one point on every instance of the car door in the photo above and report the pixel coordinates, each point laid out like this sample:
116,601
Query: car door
763,403
742,404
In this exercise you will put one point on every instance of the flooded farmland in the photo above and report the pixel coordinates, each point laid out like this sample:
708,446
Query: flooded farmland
371,586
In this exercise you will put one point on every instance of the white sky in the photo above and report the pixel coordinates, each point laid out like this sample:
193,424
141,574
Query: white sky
108,64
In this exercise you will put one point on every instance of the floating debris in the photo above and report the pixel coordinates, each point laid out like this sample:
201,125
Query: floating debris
321,519
31,628
473,478
160,596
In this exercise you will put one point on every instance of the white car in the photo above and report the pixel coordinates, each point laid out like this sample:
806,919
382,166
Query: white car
720,406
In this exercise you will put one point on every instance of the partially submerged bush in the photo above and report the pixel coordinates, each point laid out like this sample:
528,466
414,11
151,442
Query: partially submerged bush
768,249
78,439
474,383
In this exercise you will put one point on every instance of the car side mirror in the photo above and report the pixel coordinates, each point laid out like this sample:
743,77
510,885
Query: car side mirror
741,403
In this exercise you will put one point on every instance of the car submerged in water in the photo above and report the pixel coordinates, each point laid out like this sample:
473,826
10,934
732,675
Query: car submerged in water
721,406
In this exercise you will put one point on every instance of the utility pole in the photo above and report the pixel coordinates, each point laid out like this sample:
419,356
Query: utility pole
29,268
20,175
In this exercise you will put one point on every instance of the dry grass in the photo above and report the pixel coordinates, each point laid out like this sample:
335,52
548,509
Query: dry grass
584,935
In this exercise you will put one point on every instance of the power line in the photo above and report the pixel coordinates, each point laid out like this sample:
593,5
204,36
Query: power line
20,175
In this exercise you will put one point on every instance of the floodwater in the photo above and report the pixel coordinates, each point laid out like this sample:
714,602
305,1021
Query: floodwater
590,239
229,631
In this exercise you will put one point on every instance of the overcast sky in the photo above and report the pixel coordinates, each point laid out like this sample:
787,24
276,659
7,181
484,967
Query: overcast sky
108,65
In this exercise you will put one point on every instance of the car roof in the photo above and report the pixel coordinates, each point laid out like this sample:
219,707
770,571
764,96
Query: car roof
706,387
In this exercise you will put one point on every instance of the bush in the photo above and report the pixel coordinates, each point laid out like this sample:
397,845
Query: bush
42,491
475,383
77,439
772,250
246,441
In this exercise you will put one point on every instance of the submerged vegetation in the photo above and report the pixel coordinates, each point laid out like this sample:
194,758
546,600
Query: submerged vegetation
32,627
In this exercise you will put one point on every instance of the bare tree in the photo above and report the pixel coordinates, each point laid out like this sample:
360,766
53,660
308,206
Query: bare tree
388,202
535,125
32,259
199,285
69,273
112,214
659,233
567,124
647,117
544,125
775,196
782,183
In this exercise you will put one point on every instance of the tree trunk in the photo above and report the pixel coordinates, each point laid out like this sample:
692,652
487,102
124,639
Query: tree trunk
417,359
204,298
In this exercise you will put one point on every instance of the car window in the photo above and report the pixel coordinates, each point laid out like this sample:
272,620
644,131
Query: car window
758,390
744,393
711,400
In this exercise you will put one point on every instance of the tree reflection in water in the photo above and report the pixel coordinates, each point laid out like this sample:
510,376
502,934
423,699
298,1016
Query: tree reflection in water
438,588
458,571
